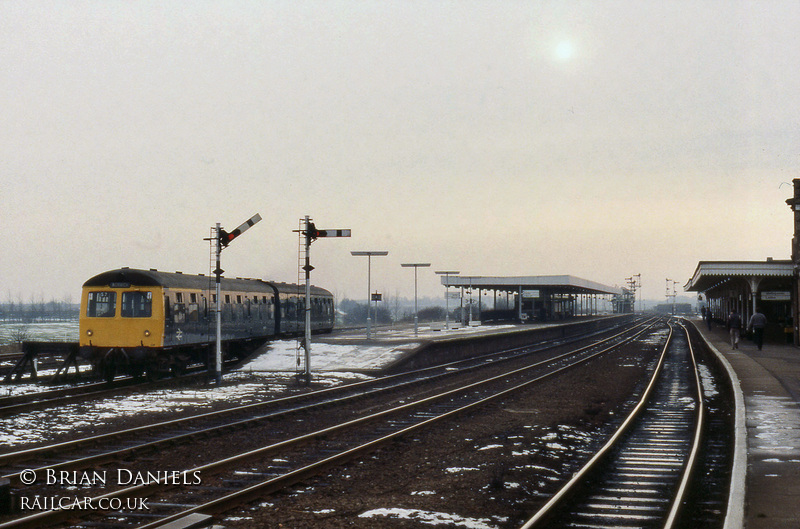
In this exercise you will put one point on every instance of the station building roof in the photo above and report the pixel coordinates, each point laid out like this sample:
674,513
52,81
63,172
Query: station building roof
562,284
711,274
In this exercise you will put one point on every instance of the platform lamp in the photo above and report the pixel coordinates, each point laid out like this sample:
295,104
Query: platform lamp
447,274
416,315
369,285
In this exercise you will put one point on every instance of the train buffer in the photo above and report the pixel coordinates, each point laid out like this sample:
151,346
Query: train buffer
32,351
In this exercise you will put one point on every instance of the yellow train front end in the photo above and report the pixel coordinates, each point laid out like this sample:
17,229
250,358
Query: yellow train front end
121,324
122,317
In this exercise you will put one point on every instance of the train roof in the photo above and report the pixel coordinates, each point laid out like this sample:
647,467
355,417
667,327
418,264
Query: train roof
131,276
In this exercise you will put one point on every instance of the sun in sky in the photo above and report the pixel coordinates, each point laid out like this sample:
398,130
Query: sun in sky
564,50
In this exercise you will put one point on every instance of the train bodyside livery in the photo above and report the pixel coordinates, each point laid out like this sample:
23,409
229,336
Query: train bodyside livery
147,321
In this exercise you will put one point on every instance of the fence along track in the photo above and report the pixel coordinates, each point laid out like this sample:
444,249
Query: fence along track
640,477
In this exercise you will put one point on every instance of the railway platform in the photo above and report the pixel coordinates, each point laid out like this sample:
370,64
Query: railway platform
770,383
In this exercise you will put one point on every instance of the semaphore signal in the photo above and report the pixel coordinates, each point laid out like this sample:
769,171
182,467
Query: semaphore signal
311,233
225,238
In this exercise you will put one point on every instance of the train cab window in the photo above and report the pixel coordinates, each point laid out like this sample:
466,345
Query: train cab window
137,304
101,304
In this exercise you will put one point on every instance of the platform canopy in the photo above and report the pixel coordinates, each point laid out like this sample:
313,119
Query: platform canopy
713,274
561,284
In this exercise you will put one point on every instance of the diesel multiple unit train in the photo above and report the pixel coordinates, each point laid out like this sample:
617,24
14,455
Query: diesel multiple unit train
151,322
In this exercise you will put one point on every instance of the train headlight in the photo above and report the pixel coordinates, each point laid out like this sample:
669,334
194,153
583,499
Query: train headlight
147,333
89,332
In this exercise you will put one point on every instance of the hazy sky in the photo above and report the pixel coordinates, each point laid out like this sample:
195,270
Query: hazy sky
597,139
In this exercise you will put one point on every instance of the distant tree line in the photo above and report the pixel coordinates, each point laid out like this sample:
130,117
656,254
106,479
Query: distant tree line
355,313
53,310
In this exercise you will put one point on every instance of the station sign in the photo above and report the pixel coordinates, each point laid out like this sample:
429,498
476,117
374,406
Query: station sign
377,297
530,293
776,296
453,295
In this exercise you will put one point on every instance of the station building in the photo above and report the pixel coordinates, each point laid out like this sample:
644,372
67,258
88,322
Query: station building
531,298
770,285
746,285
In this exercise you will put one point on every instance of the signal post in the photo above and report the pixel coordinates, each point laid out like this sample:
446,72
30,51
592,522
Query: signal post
311,234
223,239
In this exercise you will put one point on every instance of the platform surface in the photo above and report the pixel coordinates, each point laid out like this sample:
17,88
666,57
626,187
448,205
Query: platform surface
770,381
352,351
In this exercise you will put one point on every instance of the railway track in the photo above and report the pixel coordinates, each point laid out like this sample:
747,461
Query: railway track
282,461
666,466
132,440
42,400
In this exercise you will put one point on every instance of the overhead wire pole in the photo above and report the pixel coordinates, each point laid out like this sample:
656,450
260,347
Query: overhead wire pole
416,317
223,239
311,234
369,255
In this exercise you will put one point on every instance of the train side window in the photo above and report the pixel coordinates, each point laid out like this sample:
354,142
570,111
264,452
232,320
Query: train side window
101,304
179,310
137,304
194,313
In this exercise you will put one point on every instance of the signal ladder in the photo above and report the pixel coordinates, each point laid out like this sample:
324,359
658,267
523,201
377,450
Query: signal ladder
212,267
300,316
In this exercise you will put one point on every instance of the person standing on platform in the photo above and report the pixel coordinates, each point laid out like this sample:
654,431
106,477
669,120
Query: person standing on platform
756,324
734,328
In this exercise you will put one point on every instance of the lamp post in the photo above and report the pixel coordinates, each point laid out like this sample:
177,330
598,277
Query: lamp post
369,285
447,274
416,266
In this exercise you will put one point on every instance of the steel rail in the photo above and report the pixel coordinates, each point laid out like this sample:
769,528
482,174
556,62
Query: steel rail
432,373
688,469
604,451
290,478
676,502
37,519
57,397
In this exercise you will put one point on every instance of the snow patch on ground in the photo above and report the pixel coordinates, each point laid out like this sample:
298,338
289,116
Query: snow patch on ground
430,518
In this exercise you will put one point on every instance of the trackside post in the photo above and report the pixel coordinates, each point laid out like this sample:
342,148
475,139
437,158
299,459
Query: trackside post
311,234
222,240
